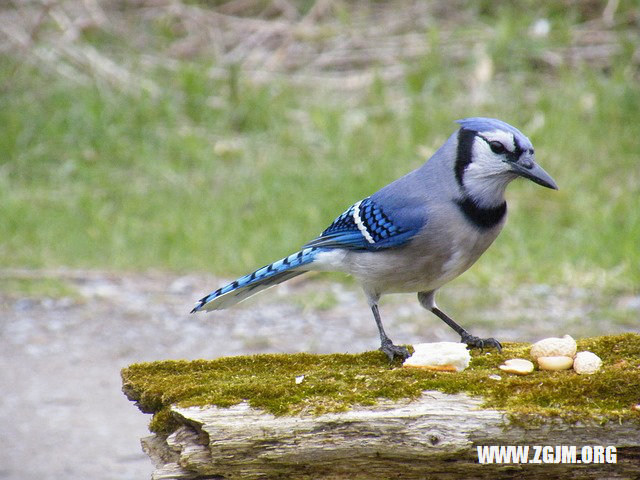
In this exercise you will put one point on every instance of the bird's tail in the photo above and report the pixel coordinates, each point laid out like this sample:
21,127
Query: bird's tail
261,279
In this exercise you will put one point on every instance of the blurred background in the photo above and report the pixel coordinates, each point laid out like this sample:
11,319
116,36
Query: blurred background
152,149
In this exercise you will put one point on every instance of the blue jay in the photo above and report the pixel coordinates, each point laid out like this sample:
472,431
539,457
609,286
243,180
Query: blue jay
417,233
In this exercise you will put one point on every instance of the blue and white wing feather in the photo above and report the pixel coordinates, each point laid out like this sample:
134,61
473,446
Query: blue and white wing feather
367,226
263,278
364,226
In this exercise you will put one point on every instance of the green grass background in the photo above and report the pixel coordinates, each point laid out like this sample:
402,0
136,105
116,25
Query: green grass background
224,175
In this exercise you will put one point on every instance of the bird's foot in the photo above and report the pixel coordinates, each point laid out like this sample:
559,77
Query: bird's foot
477,342
392,351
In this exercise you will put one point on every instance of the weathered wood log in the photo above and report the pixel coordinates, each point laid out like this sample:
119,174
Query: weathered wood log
436,436
355,416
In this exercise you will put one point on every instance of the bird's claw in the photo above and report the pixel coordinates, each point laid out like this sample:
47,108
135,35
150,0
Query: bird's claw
477,342
392,351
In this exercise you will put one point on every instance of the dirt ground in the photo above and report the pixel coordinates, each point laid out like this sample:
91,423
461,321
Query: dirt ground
62,414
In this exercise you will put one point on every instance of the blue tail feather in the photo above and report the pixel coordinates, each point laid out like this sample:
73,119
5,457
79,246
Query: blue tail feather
265,277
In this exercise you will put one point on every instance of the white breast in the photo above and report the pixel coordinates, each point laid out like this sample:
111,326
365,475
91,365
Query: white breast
433,258
456,263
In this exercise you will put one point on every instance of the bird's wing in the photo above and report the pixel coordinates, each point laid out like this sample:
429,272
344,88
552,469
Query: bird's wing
367,225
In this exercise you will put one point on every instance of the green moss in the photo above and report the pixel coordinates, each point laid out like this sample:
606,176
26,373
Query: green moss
337,382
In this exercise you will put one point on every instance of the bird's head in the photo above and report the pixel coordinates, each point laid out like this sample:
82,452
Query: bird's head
491,153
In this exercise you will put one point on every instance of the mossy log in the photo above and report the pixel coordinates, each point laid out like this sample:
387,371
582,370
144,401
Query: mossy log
346,416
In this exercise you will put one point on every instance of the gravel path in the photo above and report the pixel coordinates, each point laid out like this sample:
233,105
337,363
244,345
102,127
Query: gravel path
62,414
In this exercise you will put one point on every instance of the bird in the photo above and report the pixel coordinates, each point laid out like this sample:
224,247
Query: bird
417,233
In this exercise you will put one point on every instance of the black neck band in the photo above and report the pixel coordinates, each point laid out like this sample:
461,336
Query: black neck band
480,216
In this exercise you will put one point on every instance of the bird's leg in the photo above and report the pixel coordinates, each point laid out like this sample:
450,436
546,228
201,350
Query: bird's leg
427,301
466,337
386,345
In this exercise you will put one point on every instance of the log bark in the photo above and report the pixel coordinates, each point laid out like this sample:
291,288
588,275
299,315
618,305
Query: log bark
433,437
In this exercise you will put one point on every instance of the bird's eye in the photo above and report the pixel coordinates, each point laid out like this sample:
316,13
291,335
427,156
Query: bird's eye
497,147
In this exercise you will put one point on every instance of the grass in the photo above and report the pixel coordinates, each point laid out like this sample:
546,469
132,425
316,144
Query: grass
37,287
338,382
226,175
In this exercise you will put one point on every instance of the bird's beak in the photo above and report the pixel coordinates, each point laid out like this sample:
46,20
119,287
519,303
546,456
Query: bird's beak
527,167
